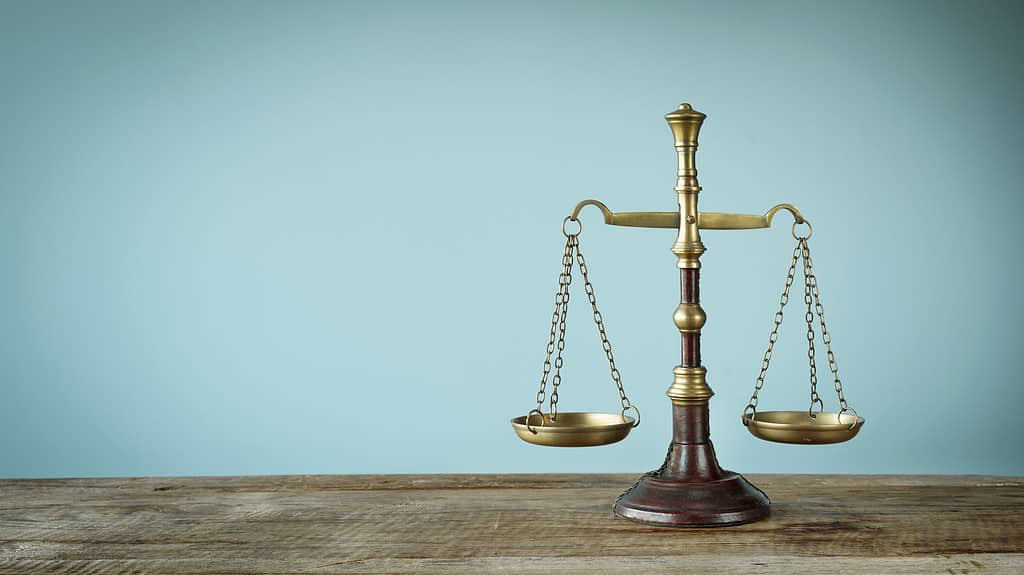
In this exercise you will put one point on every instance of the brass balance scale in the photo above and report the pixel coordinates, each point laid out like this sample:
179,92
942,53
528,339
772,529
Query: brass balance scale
689,489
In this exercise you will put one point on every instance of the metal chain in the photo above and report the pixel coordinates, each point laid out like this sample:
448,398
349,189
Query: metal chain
766,360
659,473
809,318
605,344
825,336
811,298
557,318
556,336
656,473
564,280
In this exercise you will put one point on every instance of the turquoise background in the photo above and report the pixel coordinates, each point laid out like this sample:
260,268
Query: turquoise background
261,238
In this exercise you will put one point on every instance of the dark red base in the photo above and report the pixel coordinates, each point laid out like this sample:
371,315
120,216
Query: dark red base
731,500
690,489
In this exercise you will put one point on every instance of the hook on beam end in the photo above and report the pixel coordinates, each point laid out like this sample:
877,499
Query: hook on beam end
604,210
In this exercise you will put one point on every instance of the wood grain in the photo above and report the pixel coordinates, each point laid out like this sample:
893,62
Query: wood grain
524,524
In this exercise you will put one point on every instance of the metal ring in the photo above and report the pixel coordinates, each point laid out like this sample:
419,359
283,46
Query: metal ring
844,410
635,410
566,232
821,408
810,230
753,413
538,412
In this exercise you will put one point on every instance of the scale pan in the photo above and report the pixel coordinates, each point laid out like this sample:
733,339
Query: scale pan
800,427
574,429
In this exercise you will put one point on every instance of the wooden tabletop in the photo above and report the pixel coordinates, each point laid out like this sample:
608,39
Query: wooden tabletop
521,524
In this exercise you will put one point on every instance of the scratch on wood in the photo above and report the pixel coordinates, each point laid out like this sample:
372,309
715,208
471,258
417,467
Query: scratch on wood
345,562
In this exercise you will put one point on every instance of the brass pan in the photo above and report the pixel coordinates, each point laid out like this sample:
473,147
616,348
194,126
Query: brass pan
573,429
800,427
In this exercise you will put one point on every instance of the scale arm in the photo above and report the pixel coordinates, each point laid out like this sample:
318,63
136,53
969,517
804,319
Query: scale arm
713,221
631,219
705,220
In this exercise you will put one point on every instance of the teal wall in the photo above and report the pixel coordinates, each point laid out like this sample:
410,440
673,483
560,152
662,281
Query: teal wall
242,237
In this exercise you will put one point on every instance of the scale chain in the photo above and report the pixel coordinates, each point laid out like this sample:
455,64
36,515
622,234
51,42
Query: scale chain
812,282
605,344
556,336
812,299
809,318
656,473
557,318
564,281
783,300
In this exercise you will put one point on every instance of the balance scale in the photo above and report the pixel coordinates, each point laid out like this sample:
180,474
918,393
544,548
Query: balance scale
690,489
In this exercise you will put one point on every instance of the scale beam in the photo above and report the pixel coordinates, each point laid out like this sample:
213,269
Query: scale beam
705,220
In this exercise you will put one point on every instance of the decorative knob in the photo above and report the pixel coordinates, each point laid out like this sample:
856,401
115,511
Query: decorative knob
685,123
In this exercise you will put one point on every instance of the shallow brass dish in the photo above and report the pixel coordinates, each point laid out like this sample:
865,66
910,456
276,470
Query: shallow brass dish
800,427
574,429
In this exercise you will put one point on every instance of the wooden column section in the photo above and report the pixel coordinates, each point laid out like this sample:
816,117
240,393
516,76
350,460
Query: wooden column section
690,290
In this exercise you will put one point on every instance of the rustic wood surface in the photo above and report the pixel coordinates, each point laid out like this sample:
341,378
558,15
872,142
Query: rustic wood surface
522,524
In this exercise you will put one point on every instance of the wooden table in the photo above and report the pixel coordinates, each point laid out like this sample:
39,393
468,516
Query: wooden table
521,524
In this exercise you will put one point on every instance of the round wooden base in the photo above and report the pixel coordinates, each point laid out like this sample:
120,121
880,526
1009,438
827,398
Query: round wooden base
730,500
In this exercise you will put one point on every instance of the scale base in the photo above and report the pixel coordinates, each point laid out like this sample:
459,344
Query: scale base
731,500
691,490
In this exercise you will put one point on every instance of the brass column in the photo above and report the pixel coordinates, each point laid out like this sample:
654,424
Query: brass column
689,386
690,489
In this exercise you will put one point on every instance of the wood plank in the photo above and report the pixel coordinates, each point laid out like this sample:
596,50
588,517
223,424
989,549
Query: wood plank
486,523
